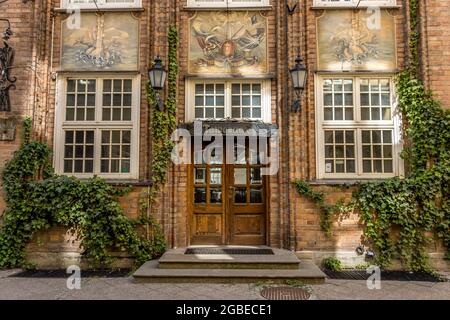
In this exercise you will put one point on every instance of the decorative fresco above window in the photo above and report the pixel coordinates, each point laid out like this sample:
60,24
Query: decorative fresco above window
354,3
226,3
356,40
104,42
228,43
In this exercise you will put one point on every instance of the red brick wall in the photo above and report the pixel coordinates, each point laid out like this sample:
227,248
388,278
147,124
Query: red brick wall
435,53
294,221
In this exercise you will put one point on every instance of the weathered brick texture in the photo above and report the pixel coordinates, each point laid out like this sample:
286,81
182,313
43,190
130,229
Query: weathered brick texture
294,221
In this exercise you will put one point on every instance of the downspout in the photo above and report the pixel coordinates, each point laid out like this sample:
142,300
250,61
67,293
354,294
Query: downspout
286,121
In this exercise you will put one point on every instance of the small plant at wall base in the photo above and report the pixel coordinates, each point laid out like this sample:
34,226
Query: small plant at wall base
37,199
402,216
332,264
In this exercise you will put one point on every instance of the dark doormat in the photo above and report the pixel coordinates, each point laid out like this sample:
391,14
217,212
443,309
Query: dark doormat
229,251
385,275
101,273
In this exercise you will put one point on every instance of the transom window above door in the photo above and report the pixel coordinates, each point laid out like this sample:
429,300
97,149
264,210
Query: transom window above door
248,100
354,3
226,3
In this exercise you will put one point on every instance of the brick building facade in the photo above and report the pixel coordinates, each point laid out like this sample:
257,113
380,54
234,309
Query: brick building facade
234,60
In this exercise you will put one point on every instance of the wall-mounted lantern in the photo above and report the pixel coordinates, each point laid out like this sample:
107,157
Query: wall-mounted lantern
157,76
6,60
299,75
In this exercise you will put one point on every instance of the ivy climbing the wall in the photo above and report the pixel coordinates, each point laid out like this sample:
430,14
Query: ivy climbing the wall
163,123
37,199
402,216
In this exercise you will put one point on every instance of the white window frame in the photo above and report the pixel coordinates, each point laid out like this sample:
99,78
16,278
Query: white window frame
266,112
358,125
354,3
223,4
102,4
61,125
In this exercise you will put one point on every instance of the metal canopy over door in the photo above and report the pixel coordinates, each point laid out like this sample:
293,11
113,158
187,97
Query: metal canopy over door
229,200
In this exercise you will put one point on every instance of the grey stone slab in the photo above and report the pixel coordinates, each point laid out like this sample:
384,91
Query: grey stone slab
150,272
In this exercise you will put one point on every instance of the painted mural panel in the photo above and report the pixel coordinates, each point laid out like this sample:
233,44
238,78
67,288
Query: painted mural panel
101,42
228,43
356,40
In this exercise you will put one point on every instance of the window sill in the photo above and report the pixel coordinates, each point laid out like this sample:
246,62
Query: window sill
260,8
124,9
363,6
344,182
124,182
206,76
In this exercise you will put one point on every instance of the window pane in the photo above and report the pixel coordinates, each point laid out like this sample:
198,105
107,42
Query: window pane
240,195
70,101
90,114
256,196
328,115
240,176
70,85
329,136
115,135
215,176
209,88
351,166
255,176
220,113
377,153
349,137
200,176
339,136
199,89
200,195
328,99
256,113
70,114
220,89
220,101
388,167
215,196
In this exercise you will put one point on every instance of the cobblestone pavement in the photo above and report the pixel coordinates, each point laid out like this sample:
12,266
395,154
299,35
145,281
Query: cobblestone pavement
126,289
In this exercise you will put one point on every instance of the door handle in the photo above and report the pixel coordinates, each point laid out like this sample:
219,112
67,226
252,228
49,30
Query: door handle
230,194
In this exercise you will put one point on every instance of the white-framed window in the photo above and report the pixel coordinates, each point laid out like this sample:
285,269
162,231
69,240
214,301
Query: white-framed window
101,4
358,129
226,3
354,3
220,99
97,126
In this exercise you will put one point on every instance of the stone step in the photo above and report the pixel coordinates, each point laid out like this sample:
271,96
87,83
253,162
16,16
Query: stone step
176,259
307,272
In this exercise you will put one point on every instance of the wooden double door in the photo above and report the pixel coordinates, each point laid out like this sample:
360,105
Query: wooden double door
229,200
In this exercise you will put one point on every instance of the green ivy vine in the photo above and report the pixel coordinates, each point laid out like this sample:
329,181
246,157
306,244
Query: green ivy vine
327,211
402,216
37,199
163,123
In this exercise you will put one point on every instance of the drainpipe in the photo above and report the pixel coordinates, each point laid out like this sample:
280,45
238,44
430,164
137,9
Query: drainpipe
286,121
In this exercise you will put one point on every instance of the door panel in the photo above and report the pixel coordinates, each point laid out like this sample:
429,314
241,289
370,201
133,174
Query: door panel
229,201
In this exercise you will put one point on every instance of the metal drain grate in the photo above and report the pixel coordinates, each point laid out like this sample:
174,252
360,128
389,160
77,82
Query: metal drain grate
385,275
285,293
228,251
